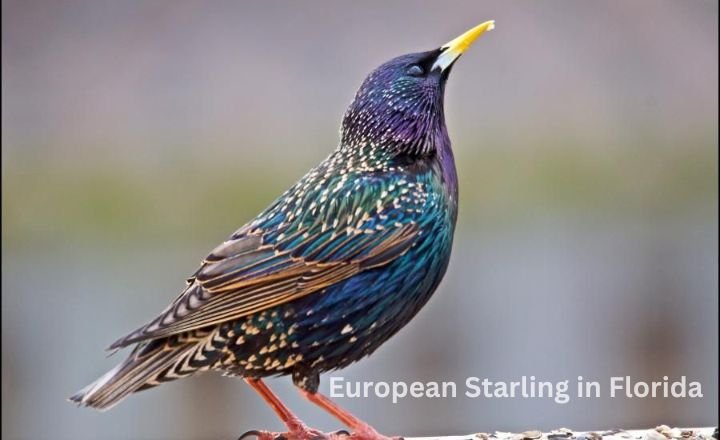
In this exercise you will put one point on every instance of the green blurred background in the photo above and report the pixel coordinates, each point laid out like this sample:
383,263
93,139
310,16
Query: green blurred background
138,135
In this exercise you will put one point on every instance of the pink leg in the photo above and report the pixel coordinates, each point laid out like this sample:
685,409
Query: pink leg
288,418
297,430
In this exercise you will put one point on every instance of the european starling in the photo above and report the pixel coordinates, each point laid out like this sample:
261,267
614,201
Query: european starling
333,268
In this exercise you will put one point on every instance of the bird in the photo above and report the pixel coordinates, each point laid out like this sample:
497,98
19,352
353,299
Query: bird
330,270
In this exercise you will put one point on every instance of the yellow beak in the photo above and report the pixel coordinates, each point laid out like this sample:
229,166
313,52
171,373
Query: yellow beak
452,50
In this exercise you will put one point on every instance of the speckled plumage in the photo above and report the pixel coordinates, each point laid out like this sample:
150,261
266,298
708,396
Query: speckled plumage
333,268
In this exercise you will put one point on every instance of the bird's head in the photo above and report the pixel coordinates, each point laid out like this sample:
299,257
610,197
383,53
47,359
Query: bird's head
399,107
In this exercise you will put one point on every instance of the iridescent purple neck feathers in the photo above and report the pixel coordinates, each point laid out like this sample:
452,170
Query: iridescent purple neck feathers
399,108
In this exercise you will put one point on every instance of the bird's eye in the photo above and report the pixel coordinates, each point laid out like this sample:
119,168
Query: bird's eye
415,70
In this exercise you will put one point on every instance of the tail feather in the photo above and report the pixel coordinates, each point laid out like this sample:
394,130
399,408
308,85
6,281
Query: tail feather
149,365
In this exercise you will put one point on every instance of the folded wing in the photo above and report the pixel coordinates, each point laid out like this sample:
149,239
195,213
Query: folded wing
258,268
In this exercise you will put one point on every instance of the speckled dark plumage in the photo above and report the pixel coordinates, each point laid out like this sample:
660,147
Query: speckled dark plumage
333,268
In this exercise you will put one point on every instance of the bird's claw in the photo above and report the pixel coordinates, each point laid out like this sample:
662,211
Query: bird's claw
312,434
259,435
300,434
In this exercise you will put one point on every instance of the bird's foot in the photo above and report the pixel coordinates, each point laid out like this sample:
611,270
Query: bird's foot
300,432
303,432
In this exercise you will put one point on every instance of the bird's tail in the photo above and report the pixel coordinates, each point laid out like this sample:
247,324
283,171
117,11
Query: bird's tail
150,364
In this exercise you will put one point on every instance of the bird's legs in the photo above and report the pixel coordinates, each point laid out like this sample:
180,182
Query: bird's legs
361,430
297,430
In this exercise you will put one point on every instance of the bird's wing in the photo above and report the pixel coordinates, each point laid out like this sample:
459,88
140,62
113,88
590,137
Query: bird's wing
270,261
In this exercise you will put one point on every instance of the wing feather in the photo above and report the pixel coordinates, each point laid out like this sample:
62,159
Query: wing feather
218,294
260,267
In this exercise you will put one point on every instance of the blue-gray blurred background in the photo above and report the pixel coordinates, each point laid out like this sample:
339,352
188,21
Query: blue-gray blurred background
138,135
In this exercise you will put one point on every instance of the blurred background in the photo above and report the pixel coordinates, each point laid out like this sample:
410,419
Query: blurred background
138,135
